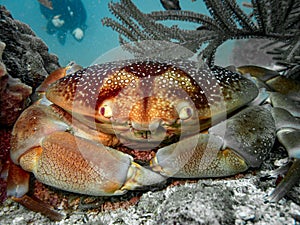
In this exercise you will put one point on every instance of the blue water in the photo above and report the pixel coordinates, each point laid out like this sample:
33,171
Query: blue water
98,39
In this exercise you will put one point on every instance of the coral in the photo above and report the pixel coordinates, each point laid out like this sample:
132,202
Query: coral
5,135
275,20
13,100
26,55
24,64
14,95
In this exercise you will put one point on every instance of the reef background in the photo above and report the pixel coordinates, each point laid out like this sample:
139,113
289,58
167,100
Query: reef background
24,64
234,200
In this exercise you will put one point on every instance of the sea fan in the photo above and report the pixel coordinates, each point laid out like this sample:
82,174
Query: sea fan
276,20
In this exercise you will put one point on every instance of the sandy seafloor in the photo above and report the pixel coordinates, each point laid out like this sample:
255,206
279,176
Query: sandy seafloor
228,201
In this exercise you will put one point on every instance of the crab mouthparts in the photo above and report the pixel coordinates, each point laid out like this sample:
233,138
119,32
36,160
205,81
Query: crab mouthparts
151,132
143,134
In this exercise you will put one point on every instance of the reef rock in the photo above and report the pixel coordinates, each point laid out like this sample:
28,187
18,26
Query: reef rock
13,93
25,62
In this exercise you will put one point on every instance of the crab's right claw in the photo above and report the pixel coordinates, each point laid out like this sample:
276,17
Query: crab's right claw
77,165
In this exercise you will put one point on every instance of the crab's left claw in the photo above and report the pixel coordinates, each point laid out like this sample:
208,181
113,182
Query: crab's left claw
229,148
250,133
196,157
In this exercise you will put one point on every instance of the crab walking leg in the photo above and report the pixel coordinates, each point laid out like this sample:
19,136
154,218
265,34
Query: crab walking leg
288,133
291,141
81,166
18,186
283,101
17,180
247,140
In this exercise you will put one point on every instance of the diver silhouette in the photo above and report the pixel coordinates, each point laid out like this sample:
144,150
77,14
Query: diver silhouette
64,16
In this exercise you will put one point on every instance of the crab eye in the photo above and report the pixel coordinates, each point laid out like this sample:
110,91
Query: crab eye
184,109
185,113
105,111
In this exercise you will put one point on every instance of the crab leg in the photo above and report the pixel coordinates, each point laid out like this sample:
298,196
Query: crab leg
17,180
231,147
17,187
37,205
290,140
285,102
288,133
41,145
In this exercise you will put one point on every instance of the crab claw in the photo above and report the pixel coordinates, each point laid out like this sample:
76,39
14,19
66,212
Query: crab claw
75,164
250,133
198,156
231,147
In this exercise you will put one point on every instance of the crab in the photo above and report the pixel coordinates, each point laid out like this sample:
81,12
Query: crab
202,122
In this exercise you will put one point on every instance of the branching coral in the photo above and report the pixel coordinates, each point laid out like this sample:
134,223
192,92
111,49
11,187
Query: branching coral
276,20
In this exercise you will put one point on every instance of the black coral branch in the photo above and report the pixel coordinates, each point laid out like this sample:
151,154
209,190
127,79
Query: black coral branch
277,20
